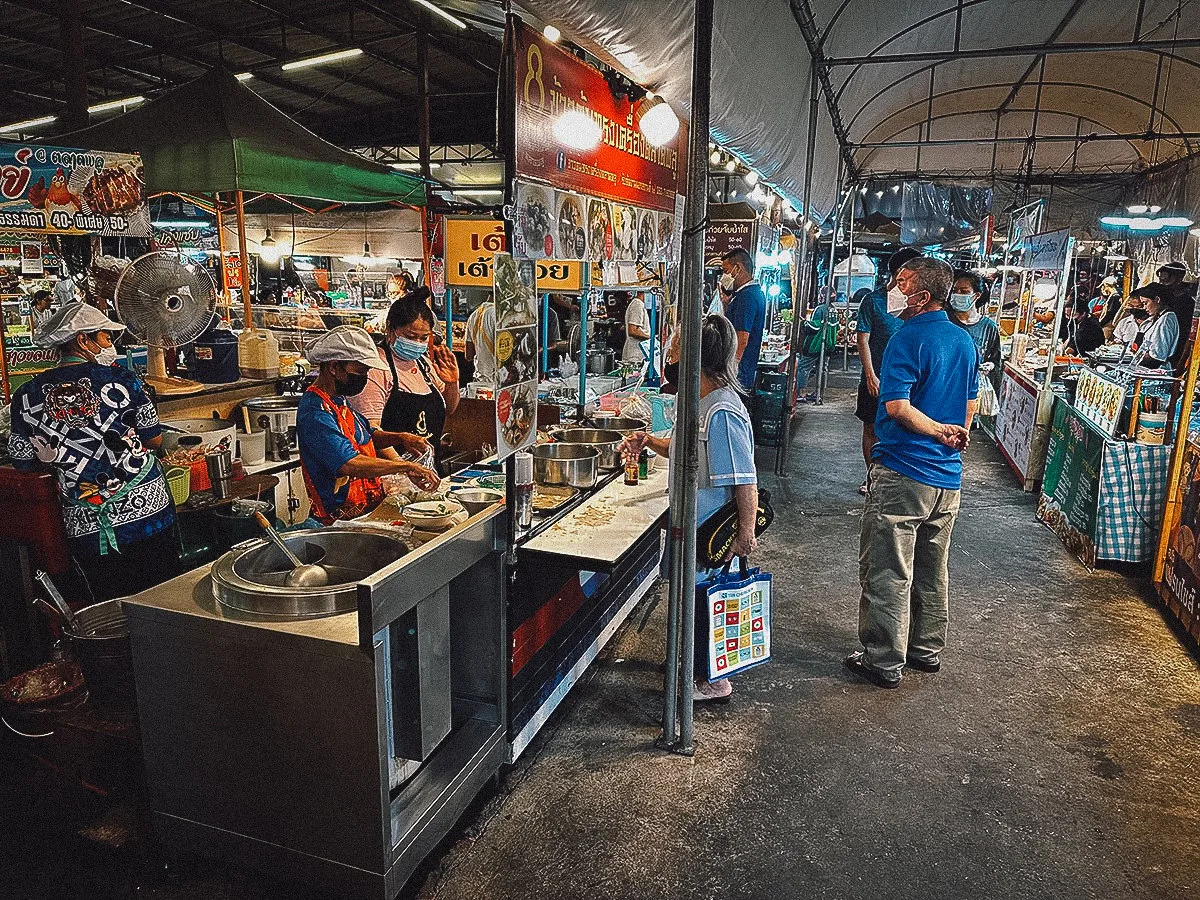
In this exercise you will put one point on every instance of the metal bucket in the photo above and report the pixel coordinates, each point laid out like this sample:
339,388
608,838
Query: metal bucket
102,647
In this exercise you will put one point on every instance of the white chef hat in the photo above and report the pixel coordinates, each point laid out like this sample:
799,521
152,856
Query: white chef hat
346,343
70,320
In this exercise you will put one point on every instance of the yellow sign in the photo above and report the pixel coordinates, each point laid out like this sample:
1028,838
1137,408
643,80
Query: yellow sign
504,346
471,245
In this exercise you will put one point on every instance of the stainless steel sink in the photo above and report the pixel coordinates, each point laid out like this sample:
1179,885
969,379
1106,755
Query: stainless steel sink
251,576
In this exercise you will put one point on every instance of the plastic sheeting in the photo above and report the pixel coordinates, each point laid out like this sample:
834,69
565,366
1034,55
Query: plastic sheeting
760,76
936,214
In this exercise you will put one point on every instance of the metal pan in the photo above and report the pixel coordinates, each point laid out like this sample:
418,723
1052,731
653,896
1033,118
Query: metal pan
573,465
607,442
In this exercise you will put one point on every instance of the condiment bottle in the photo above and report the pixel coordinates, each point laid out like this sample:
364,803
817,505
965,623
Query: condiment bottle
644,463
631,468
523,474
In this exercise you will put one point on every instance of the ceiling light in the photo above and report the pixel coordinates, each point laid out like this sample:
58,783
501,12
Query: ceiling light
1138,209
577,130
1155,209
438,11
733,194
1175,222
1141,223
268,250
244,76
322,59
751,178
731,166
413,166
1045,289
656,120
895,188
478,192
715,157
116,104
551,33
1116,221
28,123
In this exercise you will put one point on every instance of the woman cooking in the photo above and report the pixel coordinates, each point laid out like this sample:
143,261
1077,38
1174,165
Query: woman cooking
418,385
94,425
727,469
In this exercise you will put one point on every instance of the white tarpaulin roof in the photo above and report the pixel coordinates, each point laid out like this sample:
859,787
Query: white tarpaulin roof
1052,69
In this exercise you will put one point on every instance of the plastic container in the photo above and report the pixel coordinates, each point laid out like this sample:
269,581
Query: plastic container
200,480
215,359
258,354
1152,428
252,447
103,649
179,481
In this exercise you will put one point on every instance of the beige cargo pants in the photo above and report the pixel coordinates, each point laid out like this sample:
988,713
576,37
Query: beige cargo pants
904,549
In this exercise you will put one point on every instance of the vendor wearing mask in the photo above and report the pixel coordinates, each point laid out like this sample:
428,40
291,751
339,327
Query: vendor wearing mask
1130,323
339,449
94,425
1160,331
415,385
1084,334
39,310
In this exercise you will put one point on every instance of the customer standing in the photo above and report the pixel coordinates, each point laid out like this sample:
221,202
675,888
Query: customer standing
747,310
967,303
726,456
878,320
928,388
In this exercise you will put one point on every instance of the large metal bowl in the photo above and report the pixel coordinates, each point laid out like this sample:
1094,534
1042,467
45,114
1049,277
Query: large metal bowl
607,443
622,424
252,576
573,465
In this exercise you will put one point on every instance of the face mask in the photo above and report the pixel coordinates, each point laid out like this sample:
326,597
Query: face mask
1139,315
896,301
962,302
353,385
104,356
726,281
409,350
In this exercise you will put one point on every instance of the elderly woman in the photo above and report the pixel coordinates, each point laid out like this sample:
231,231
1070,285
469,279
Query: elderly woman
726,465
92,423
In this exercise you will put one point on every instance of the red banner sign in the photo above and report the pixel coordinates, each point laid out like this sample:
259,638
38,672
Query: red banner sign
623,166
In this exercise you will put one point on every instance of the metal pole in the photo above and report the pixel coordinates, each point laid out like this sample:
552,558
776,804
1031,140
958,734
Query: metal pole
585,300
831,284
247,316
546,333
423,127
685,476
800,304
74,64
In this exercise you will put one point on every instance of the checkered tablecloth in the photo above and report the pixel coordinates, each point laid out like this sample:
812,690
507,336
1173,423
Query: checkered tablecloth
1133,492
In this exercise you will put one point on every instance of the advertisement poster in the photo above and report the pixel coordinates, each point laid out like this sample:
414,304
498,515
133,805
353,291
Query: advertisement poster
1181,571
31,258
1047,252
567,227
516,353
57,190
471,245
1071,486
437,277
233,271
1099,400
1015,423
622,166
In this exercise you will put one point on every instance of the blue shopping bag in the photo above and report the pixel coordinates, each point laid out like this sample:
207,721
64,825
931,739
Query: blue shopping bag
738,607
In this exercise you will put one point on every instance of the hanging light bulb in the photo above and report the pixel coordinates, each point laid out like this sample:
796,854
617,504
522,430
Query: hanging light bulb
367,250
751,178
268,250
731,166
715,158
577,130
1045,289
656,120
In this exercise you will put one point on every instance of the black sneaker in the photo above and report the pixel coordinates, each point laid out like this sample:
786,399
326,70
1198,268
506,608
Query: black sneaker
924,665
854,662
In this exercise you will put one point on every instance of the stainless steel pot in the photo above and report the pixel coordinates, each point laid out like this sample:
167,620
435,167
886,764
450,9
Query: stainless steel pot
215,434
622,424
101,643
605,441
574,465
600,361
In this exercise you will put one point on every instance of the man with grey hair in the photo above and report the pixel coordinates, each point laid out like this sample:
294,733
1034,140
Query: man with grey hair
929,382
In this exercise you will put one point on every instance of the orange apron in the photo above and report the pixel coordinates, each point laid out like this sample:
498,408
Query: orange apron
362,494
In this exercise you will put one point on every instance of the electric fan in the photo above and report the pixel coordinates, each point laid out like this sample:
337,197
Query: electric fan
165,302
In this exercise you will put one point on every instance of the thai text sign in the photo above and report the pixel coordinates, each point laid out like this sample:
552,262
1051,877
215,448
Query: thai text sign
471,246
1047,252
721,236
1071,486
56,190
623,166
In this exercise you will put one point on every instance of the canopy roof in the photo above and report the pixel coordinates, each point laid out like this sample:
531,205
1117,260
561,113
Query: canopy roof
1041,90
215,134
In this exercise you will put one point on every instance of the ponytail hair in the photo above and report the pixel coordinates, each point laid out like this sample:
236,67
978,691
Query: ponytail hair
718,352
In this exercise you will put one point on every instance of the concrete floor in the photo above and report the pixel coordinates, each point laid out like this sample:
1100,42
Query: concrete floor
1057,754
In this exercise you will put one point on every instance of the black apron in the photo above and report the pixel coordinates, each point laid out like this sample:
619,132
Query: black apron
421,414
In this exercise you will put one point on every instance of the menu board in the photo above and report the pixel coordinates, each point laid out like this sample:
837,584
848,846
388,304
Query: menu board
1016,421
561,225
59,190
471,246
516,354
1181,571
1100,400
1071,486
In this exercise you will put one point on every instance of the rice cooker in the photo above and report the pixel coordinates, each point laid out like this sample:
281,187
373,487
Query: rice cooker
277,417
213,434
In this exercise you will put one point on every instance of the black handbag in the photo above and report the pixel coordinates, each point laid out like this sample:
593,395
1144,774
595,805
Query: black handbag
715,536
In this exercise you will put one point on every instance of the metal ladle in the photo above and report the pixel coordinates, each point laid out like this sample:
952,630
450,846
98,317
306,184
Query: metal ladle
302,574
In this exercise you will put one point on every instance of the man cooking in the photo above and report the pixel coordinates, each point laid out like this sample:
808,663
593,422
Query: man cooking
341,454
92,422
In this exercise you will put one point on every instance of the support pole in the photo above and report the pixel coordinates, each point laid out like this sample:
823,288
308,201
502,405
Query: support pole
423,126
74,63
800,304
685,474
226,299
247,315
830,283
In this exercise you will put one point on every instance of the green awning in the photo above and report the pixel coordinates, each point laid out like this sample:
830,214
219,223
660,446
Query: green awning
214,134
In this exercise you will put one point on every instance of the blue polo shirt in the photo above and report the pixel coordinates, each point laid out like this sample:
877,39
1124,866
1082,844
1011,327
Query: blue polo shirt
875,321
932,363
748,312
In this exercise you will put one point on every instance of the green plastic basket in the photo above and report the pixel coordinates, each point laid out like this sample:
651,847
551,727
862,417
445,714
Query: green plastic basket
179,480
